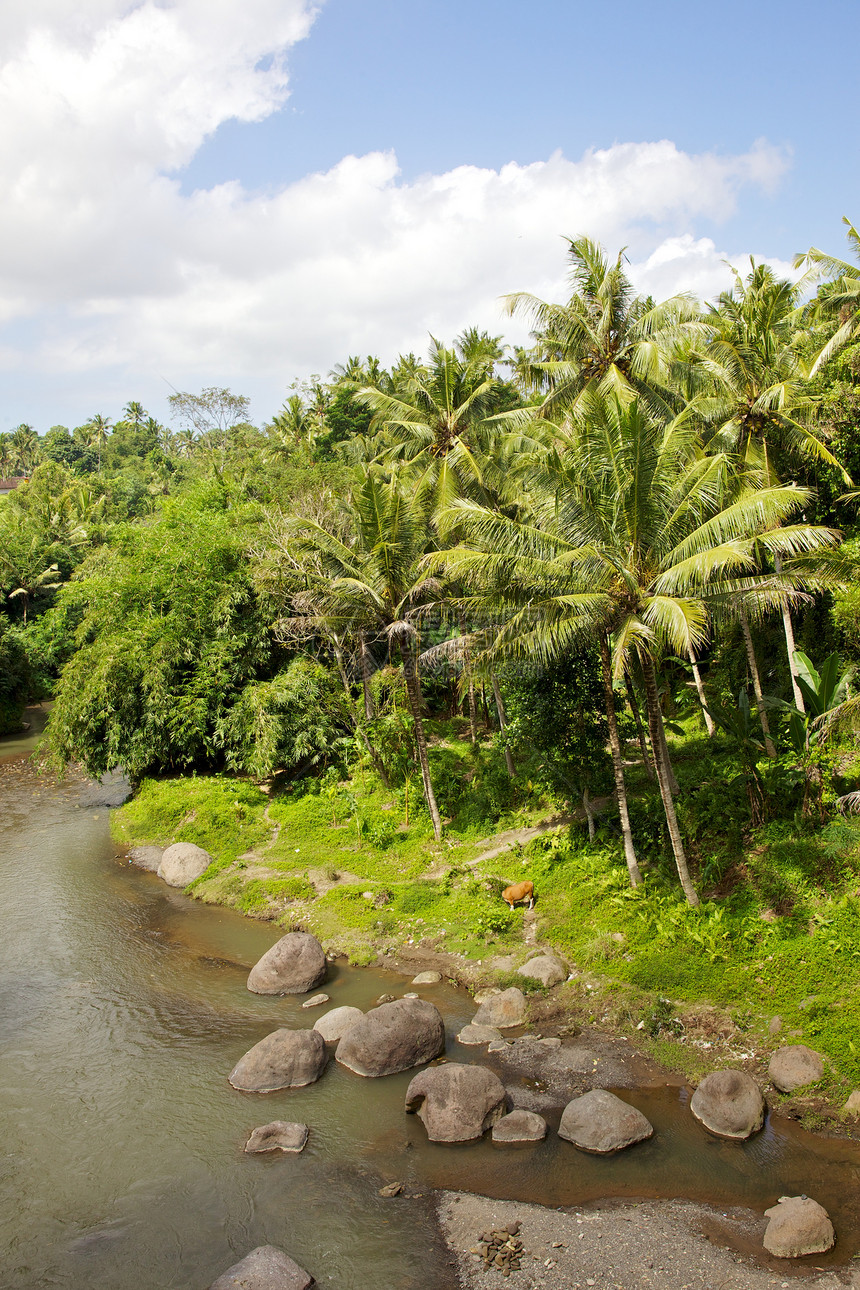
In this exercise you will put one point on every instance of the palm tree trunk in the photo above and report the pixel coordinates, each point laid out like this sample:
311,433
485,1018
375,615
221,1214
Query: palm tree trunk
756,680
473,707
615,747
640,733
700,690
366,673
503,724
661,759
790,645
589,813
413,691
378,763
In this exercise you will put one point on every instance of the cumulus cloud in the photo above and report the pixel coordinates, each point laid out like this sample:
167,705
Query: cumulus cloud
111,267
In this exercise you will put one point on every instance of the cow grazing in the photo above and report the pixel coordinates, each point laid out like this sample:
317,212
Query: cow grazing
520,891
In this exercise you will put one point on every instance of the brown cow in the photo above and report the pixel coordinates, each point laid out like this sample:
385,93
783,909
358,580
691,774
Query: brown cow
520,891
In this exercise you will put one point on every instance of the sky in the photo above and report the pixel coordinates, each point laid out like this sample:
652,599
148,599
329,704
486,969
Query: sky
242,193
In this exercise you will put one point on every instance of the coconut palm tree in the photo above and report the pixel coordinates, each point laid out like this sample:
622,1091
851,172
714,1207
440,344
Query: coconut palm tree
605,337
841,302
25,447
371,583
626,529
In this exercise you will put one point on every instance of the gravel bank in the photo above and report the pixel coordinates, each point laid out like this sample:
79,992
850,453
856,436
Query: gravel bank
649,1245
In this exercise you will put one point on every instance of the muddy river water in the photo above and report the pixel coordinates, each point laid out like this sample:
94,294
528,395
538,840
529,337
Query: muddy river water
123,1007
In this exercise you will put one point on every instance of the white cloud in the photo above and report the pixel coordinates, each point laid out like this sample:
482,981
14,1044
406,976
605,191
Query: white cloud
118,272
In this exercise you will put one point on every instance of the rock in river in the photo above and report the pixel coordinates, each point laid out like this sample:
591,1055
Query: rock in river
520,1126
794,1066
182,863
601,1123
427,978
502,1010
333,1025
797,1226
266,1268
456,1102
294,965
280,1135
546,968
284,1059
729,1103
146,857
474,1035
393,1037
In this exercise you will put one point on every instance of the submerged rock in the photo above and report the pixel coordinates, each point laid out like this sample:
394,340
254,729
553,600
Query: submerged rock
333,1025
794,1066
392,1038
456,1102
729,1103
266,1268
546,968
520,1126
317,1001
601,1123
798,1226
294,965
502,1010
182,863
284,1059
280,1135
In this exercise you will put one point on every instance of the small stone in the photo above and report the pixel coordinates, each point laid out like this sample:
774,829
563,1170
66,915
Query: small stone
774,1026
852,1106
367,895
797,1226
280,1135
795,1066
498,1046
391,1189
316,1001
412,995
427,978
385,998
474,1035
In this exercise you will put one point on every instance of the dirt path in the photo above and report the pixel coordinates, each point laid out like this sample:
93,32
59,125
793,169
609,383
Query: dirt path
499,843
644,1245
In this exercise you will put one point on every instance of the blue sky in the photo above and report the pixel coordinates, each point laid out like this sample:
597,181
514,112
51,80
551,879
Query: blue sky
240,192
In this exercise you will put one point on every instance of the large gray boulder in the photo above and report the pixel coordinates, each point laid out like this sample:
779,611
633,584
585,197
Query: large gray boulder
797,1226
294,965
456,1102
794,1066
146,857
546,968
182,863
520,1126
601,1123
392,1038
333,1025
284,1059
280,1135
266,1268
729,1103
502,1010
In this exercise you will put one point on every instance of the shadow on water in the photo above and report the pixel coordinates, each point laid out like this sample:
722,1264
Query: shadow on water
123,1007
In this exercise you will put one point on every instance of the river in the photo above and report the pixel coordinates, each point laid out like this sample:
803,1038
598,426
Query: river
123,1007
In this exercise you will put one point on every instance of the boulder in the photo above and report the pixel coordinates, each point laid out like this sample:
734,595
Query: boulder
427,978
794,1066
473,1035
502,1010
280,1135
182,863
294,965
317,1001
797,1226
333,1025
266,1268
284,1059
546,968
601,1123
456,1102
520,1126
146,857
392,1038
729,1103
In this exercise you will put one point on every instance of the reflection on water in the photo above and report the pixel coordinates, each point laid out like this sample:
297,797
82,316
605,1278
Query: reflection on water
123,1007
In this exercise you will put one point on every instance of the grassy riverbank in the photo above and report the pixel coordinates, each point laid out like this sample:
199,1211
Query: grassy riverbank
772,956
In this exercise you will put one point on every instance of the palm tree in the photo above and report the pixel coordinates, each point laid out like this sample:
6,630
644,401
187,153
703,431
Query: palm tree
370,583
99,427
841,301
25,447
604,338
626,530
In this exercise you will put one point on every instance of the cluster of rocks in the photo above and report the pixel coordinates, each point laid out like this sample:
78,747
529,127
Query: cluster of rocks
501,1249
